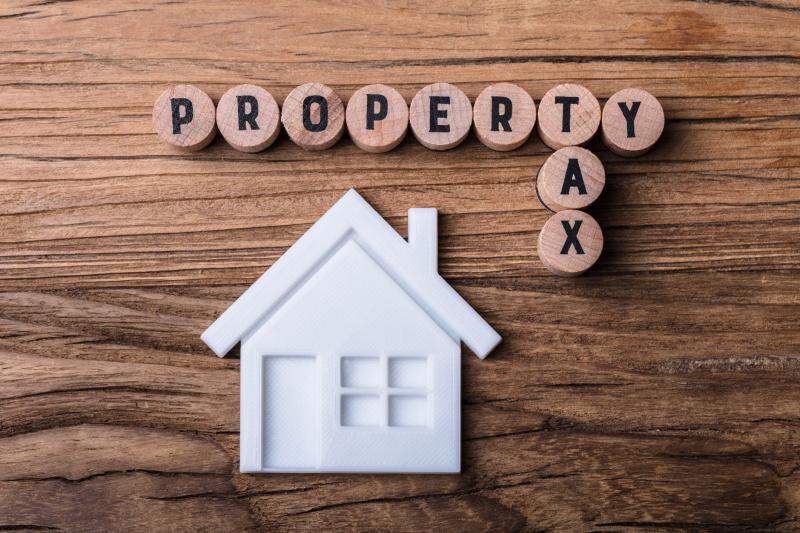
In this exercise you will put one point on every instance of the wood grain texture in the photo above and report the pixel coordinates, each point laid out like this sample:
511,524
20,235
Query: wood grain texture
659,392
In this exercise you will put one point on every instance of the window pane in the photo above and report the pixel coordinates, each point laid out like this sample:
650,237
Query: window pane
361,410
361,372
408,411
408,372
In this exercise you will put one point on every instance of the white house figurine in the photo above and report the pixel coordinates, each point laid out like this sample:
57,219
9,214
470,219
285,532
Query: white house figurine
350,349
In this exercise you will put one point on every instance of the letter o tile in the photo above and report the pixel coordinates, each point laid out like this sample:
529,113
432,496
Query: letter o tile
570,242
313,116
504,115
569,115
248,118
571,178
377,118
633,121
184,117
440,116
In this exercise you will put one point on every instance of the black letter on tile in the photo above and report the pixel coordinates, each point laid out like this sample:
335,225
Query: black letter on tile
246,118
566,101
177,119
437,113
572,237
573,178
630,115
380,114
497,118
323,112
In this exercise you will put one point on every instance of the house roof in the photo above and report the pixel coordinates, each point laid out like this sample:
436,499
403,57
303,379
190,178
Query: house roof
352,218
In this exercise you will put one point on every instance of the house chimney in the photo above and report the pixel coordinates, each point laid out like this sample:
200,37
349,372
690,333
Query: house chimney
423,236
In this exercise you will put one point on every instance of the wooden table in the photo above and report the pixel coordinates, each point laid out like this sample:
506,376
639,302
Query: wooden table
659,392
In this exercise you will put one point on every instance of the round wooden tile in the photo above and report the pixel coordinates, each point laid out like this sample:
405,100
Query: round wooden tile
633,120
570,243
504,115
248,118
313,115
569,115
377,118
571,178
440,116
183,116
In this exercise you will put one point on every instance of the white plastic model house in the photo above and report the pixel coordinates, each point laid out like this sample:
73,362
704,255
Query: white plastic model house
350,348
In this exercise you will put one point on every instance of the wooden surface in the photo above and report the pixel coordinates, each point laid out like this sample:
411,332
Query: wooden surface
659,392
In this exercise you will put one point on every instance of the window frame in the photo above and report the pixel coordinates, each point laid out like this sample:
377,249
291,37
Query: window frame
386,393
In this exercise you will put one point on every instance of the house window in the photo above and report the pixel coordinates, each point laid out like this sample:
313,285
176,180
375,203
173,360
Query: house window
384,391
